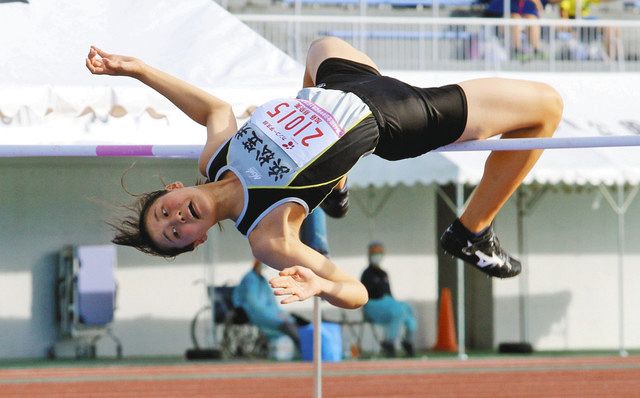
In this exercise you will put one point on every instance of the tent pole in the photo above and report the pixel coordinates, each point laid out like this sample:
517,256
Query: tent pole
368,208
621,237
620,208
525,207
460,270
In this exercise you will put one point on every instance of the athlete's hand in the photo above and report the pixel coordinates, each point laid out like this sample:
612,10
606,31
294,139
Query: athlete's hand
102,63
298,283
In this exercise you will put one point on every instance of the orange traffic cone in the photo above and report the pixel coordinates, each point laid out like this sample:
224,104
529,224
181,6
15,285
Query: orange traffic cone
446,326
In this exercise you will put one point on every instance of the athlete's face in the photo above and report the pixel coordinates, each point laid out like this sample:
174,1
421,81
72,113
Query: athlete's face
179,218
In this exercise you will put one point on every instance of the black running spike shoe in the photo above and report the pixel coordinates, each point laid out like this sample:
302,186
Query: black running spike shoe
483,252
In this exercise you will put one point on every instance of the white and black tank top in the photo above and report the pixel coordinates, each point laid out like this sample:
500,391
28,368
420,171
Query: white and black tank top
295,150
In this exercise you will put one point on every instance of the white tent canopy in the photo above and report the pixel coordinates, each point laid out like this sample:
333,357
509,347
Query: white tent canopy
47,96
44,43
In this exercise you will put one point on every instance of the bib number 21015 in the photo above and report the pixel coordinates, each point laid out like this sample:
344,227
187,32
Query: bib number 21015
297,121
300,128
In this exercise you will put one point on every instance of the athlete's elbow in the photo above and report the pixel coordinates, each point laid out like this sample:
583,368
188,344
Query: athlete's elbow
364,297
354,305
274,252
260,251
360,299
218,112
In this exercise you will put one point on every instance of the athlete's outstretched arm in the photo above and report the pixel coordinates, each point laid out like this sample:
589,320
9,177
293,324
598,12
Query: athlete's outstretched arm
304,273
196,103
199,105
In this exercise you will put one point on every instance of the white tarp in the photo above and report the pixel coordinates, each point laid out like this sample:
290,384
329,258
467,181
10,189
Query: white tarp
48,96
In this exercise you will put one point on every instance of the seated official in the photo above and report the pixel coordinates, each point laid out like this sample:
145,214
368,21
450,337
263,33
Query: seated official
255,297
383,309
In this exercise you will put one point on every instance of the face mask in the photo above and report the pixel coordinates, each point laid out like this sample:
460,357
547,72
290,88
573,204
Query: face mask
376,258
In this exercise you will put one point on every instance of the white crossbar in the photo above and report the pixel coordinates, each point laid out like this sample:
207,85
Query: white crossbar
517,144
193,151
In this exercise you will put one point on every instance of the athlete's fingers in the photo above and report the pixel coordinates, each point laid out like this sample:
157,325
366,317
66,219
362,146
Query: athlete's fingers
281,281
101,53
89,66
95,68
290,299
290,271
113,65
282,292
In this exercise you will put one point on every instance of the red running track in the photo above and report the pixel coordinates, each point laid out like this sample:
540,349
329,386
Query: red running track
503,377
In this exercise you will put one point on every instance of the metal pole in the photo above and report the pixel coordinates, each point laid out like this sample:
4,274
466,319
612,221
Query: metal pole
523,280
507,29
621,211
460,270
362,26
317,348
314,234
552,48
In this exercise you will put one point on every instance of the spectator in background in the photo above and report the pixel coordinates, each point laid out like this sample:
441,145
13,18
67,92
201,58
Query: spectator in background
255,297
383,309
527,9
568,8
610,35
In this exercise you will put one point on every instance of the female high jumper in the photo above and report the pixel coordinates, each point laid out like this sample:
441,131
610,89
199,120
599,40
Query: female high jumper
293,152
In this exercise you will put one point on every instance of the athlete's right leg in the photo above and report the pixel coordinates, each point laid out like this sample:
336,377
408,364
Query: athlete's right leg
336,204
331,47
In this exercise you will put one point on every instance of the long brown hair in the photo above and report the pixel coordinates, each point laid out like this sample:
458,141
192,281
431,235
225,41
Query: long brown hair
132,230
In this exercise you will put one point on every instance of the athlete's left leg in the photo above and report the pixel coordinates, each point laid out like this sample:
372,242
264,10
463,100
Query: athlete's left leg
337,203
513,109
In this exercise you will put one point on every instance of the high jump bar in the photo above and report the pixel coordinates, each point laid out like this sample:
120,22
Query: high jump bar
193,151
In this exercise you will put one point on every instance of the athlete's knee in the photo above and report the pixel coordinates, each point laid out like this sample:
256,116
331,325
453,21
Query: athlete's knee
318,50
326,41
323,43
551,108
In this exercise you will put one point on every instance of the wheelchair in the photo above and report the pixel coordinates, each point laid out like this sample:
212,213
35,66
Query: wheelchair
237,337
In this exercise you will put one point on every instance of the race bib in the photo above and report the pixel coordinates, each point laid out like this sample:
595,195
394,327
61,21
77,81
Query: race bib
301,128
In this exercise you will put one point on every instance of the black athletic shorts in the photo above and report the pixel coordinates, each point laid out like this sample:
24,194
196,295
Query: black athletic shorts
411,120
